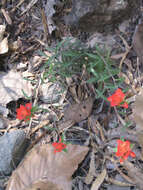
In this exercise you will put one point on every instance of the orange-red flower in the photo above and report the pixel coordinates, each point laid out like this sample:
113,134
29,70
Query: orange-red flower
118,99
124,150
24,112
59,146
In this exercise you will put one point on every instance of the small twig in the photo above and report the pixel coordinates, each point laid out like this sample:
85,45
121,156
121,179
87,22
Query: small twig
128,48
29,6
117,168
18,5
138,70
119,117
41,125
44,21
35,101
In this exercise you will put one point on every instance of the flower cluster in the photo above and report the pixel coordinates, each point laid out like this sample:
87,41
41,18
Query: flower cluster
59,146
118,99
124,150
24,112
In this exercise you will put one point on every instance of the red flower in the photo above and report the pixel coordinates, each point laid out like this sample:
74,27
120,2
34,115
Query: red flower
24,112
59,146
118,99
124,150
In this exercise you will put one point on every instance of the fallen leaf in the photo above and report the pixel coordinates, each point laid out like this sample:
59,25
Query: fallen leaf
140,141
138,41
4,46
138,111
79,112
99,180
11,86
135,173
49,14
91,172
7,17
2,31
43,169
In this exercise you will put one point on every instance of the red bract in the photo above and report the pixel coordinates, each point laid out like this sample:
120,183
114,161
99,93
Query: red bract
118,99
24,112
124,150
59,146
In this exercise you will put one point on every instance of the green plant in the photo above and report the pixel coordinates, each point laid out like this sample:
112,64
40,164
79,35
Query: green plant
65,61
68,58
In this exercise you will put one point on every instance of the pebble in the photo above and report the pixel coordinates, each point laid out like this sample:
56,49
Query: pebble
3,123
12,148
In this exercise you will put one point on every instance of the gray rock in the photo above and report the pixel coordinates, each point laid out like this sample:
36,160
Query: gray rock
3,123
100,15
12,148
3,110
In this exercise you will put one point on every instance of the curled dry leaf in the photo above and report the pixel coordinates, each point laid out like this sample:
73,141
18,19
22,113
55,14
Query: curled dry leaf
7,16
4,46
138,118
91,172
43,169
79,112
140,140
3,41
135,173
138,41
138,111
11,86
2,31
99,180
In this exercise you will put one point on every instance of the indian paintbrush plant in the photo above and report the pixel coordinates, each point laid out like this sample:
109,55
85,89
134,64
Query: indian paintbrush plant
26,112
68,59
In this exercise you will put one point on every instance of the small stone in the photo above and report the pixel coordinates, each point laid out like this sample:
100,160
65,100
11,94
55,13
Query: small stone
3,111
12,148
2,124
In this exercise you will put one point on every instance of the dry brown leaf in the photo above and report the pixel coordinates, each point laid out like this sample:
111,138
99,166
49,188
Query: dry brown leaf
72,90
11,86
138,111
138,41
91,172
140,141
138,118
99,180
118,183
7,17
42,168
4,46
135,173
79,112
2,31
